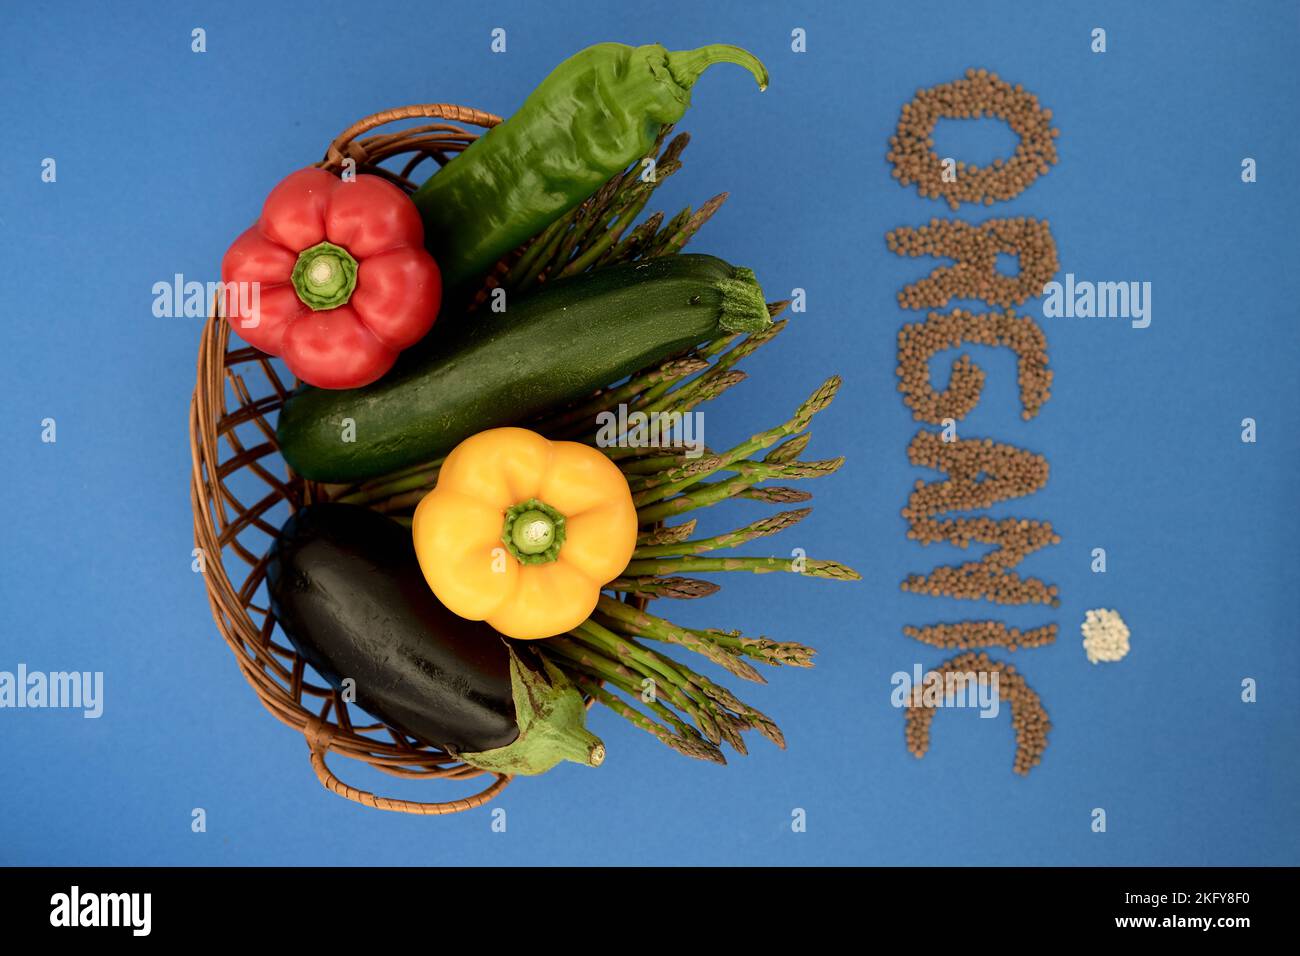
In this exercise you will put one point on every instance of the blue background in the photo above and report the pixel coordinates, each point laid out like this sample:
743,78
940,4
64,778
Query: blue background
164,156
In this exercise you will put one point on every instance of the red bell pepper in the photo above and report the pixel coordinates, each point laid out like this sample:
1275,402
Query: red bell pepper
344,281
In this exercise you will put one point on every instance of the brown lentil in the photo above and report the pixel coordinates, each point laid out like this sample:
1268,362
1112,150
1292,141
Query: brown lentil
918,342
980,472
980,94
974,274
966,635
991,577
1028,717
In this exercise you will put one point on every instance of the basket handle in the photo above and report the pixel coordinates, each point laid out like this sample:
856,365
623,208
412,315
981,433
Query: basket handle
319,734
341,148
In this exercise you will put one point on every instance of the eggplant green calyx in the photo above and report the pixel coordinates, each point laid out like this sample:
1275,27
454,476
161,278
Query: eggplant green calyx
533,531
324,276
552,725
685,66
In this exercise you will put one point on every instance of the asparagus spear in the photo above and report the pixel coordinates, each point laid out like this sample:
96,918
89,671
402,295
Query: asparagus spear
667,534
631,247
704,690
647,625
729,357
626,669
789,450
650,466
807,566
675,480
749,473
763,527
696,746
775,495
677,240
670,371
704,389
761,648
663,587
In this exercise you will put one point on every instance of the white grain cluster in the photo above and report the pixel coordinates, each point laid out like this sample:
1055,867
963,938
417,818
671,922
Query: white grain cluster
1105,636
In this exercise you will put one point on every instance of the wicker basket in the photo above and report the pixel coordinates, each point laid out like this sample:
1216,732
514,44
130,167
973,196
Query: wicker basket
239,481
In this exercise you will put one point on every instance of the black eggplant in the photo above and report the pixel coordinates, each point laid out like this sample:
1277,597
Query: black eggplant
345,585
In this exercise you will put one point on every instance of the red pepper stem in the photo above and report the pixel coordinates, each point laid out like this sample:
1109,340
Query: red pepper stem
687,65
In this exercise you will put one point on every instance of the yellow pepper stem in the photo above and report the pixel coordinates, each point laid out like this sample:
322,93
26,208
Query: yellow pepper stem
533,531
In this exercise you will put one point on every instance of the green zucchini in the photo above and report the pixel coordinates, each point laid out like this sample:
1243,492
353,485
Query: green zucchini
550,348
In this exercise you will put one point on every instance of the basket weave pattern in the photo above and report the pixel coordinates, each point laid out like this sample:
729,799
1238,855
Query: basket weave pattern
236,481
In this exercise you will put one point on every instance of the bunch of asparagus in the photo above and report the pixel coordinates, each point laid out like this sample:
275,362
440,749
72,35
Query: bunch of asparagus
616,656
611,655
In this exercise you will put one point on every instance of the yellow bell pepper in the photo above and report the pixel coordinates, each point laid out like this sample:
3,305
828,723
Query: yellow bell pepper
523,532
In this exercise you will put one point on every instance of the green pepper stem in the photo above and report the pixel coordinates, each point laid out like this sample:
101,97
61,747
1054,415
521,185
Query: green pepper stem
533,531
324,276
687,65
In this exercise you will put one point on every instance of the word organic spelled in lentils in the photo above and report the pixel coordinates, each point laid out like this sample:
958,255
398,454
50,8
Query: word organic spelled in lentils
1105,636
977,473
919,341
980,94
1028,718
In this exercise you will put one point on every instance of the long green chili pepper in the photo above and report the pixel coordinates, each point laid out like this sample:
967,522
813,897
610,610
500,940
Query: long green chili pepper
598,112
